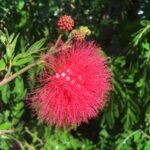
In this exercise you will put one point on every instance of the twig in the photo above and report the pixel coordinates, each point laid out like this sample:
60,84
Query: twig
9,69
6,80
31,147
57,42
31,134
6,131
144,134
68,41
127,138
13,139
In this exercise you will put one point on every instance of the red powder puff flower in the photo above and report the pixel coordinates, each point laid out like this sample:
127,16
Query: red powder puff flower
65,23
76,90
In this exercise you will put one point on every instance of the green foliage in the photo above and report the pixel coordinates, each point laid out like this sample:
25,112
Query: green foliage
62,140
122,31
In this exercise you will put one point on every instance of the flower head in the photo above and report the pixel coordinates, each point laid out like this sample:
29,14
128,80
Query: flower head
76,90
65,23
77,35
81,33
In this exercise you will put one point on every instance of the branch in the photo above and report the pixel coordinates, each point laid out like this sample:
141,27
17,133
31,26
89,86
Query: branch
6,131
9,69
6,80
144,134
126,139
31,134
57,42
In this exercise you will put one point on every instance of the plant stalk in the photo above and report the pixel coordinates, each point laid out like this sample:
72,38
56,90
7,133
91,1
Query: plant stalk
8,79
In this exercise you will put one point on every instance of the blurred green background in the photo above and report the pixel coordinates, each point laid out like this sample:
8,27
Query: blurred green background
122,29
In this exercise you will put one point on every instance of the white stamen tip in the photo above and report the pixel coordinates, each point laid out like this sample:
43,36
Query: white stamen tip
67,78
57,75
63,74
72,81
68,70
79,85
80,77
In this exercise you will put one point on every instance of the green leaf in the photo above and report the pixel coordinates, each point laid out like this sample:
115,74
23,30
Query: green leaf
19,105
23,61
110,118
10,39
3,37
36,46
116,111
137,137
118,88
19,86
145,22
104,133
17,114
5,126
129,80
75,143
146,46
4,144
2,64
20,4
11,46
140,83
24,18
19,56
26,57
5,93
147,145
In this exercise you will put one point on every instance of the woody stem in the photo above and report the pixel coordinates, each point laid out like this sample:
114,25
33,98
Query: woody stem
8,79
57,42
